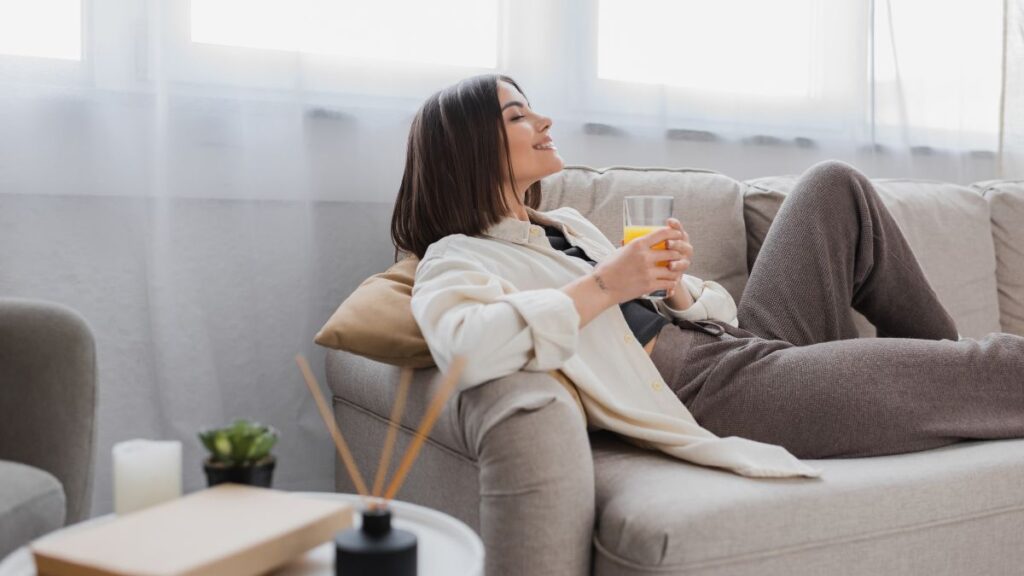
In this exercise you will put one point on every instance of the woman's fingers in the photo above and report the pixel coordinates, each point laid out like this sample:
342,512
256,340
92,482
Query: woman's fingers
669,255
681,264
660,235
680,246
676,224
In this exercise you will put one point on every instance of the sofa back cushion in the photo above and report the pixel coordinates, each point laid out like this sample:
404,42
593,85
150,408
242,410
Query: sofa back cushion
1006,200
947,226
709,204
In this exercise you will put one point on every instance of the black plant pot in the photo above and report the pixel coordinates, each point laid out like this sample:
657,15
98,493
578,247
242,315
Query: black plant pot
260,474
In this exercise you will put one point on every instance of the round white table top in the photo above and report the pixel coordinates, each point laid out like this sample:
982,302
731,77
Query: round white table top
444,545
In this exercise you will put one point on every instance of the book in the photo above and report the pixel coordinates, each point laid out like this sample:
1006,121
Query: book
227,530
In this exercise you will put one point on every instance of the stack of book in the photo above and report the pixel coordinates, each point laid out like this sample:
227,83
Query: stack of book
228,530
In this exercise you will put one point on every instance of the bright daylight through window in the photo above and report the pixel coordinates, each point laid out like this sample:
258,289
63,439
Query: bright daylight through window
704,46
950,68
937,66
426,33
41,28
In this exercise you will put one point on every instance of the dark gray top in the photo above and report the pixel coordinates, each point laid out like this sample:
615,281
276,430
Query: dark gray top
641,316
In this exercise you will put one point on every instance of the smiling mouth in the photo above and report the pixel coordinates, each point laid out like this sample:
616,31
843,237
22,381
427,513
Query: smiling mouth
548,146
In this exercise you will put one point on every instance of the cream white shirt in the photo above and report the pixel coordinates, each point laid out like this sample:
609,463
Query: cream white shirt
496,300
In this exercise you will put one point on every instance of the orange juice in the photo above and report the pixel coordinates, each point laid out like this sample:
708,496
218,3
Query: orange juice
631,233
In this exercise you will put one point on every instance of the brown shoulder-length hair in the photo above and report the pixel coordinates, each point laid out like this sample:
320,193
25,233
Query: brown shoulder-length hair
453,167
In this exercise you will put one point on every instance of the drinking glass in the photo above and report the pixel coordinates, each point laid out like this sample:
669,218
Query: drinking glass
642,215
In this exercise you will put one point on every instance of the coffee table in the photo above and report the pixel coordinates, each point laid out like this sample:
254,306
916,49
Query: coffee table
445,546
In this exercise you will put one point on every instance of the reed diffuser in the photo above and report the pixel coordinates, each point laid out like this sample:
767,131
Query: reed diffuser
376,548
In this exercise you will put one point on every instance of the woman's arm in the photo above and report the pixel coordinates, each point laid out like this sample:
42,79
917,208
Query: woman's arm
629,272
711,301
465,310
588,297
695,299
680,298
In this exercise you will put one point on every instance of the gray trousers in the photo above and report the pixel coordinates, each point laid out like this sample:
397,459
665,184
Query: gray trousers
795,374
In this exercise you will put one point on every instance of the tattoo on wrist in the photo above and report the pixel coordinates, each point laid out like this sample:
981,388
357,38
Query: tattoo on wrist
600,282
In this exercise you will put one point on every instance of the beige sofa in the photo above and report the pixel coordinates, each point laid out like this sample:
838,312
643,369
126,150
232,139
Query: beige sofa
510,459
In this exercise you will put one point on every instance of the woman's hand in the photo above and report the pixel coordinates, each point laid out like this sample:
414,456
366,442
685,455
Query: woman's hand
633,270
681,300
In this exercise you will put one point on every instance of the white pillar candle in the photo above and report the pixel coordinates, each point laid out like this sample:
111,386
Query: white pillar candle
146,472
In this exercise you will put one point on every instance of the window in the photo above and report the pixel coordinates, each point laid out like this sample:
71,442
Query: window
900,72
944,78
41,28
731,67
720,46
357,30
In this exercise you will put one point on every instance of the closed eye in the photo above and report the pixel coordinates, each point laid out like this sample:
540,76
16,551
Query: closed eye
516,118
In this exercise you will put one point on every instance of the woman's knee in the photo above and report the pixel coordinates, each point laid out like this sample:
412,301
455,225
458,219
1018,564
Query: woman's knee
834,170
833,181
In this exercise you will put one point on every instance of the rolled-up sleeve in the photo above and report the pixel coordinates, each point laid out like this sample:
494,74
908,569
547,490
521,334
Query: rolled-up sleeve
711,301
462,309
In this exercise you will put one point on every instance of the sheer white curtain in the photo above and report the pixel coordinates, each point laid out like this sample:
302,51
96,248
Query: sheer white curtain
905,88
205,181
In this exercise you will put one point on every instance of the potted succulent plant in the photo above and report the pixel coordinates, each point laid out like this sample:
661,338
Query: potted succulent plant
240,453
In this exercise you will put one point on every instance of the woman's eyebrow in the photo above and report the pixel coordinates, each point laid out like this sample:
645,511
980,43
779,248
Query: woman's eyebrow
512,103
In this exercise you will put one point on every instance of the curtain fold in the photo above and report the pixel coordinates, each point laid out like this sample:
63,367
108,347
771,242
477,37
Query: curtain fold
1012,112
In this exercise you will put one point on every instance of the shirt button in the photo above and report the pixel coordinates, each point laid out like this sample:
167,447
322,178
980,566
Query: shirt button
627,337
534,232
655,385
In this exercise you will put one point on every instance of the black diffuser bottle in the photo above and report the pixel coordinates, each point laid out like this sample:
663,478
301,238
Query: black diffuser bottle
375,549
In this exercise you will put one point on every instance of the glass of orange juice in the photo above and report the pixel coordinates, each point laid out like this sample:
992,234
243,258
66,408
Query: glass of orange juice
642,215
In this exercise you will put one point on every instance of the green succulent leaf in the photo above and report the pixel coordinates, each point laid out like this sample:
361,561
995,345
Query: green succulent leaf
206,437
261,446
222,445
242,442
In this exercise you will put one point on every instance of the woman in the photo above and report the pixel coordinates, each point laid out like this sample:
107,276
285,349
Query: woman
781,375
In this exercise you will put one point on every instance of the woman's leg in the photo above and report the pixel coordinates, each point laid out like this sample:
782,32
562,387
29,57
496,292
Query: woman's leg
834,244
859,397
809,384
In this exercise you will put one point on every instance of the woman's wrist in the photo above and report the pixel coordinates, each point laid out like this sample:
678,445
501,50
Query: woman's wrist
605,293
591,296
682,299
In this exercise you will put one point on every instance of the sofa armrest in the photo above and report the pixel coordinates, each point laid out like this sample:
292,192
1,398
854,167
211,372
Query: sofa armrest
48,395
518,442
536,474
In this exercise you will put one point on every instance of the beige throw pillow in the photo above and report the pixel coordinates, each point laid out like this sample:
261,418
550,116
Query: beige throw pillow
376,320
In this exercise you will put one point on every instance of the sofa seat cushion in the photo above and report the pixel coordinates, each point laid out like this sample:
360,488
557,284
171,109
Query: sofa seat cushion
709,204
1007,201
31,504
948,227
657,515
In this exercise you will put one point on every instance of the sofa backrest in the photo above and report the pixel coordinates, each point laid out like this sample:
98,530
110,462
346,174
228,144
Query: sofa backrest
969,240
948,227
1007,201
709,204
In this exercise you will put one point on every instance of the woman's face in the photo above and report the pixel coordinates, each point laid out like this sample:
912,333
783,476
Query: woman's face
531,149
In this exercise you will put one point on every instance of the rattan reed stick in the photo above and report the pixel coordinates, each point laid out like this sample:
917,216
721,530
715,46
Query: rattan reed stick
389,442
332,426
433,411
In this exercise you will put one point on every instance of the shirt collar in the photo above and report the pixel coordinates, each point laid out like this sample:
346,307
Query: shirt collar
520,232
